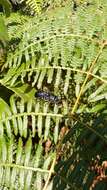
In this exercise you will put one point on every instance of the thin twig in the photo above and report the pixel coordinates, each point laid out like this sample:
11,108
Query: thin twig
51,171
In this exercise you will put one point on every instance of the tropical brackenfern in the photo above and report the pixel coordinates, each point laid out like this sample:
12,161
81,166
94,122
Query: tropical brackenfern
62,52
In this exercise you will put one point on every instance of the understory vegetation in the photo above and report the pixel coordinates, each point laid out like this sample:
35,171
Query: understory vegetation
53,94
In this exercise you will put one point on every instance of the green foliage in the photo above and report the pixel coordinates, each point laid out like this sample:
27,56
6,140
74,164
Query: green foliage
56,45
22,114
34,5
6,6
23,164
62,51
3,32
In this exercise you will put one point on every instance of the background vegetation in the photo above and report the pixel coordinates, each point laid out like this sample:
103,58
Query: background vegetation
53,94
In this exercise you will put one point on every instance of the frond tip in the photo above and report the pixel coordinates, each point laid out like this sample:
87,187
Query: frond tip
35,5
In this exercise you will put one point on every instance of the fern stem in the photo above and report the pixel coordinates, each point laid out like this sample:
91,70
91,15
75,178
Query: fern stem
88,74
31,113
67,68
24,167
57,36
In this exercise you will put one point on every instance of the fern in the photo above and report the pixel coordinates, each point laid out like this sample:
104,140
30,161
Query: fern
62,52
6,6
57,47
28,118
23,165
35,5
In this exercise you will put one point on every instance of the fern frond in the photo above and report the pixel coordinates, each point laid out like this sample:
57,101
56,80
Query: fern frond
62,53
59,49
23,164
26,118
34,5
15,24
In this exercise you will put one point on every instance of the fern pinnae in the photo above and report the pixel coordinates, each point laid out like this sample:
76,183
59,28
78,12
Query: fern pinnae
38,182
34,126
9,76
18,159
25,125
19,151
90,84
58,77
56,130
47,127
21,173
29,106
43,72
10,159
14,78
15,124
3,155
8,128
101,88
41,78
37,107
33,54
28,180
56,127
3,149
39,125
13,105
45,107
20,125
1,174
26,53
19,60
38,179
21,179
28,148
56,109
47,163
50,73
30,75
99,97
38,155
66,83
7,176
10,150
35,78
65,110
15,59
22,106
1,129
34,5
23,76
